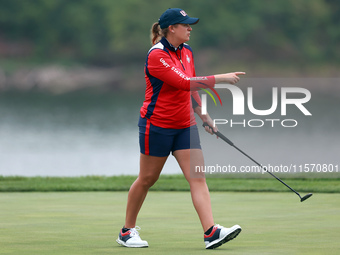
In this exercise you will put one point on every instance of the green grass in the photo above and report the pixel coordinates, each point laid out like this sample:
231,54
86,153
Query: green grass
261,183
88,223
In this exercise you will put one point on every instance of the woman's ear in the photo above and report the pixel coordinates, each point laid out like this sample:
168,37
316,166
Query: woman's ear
171,29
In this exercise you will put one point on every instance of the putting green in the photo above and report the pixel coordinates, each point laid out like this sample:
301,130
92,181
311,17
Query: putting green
88,223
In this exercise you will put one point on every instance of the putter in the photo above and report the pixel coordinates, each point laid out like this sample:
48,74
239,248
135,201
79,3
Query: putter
220,135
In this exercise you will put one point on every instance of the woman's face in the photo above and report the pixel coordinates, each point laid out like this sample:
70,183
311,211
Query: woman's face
182,32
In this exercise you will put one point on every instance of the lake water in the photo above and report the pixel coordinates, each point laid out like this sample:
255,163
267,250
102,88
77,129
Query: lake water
96,133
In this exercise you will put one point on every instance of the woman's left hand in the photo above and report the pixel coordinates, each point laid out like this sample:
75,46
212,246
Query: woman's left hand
210,122
206,119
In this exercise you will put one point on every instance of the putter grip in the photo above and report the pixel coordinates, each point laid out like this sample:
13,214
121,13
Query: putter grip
220,135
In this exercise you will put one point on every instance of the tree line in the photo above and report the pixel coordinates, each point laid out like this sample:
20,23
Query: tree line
110,32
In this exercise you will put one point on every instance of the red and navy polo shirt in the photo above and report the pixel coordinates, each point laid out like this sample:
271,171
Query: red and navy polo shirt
171,86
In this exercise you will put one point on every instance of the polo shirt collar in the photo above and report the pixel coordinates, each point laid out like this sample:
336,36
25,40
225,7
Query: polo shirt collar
169,46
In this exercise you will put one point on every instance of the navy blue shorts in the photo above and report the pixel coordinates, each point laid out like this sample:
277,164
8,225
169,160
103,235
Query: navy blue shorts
157,141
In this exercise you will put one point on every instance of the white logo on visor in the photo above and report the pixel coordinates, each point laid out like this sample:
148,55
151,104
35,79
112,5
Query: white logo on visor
183,13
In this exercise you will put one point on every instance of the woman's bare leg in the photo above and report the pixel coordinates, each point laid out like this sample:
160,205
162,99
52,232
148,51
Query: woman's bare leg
150,169
188,159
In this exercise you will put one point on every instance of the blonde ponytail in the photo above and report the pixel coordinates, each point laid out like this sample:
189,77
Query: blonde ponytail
157,33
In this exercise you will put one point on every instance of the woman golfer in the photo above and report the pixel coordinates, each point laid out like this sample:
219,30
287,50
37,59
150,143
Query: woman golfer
167,124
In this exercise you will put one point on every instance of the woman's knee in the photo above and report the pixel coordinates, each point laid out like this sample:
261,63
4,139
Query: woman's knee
147,181
196,181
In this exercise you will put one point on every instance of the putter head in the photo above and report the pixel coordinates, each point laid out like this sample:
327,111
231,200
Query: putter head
306,197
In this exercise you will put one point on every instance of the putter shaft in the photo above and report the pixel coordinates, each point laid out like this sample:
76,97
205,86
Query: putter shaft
224,138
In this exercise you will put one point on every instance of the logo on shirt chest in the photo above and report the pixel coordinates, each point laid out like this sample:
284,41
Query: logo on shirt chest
188,59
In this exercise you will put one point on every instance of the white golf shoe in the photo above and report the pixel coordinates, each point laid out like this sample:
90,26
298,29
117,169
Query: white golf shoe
131,238
220,235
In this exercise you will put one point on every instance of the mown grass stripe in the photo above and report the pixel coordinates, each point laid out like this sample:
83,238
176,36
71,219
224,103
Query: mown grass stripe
165,183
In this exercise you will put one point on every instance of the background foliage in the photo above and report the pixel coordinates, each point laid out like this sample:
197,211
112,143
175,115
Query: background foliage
109,32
